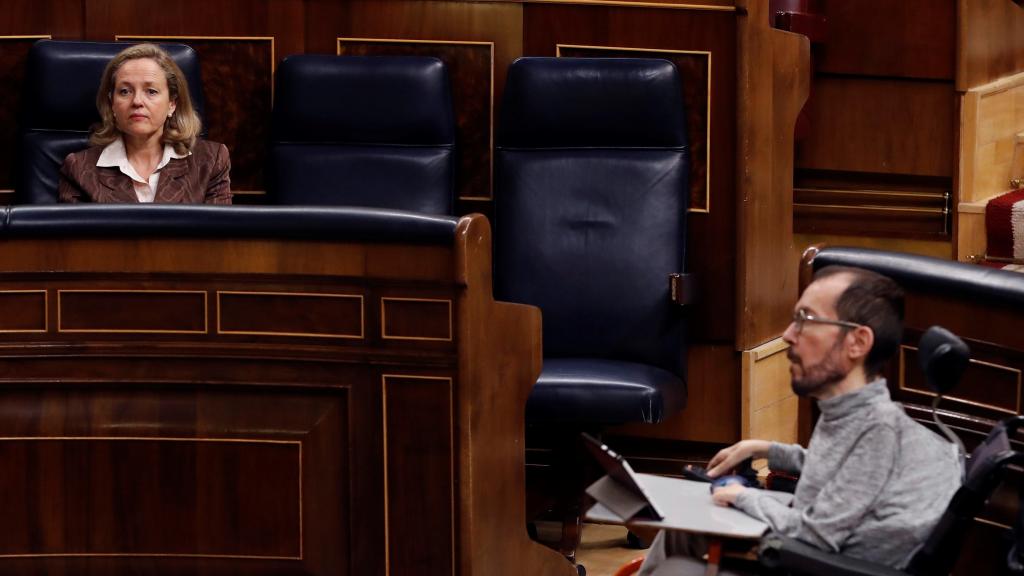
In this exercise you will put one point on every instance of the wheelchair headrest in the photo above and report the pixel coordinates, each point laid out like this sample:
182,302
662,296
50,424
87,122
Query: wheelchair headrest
363,100
943,357
553,103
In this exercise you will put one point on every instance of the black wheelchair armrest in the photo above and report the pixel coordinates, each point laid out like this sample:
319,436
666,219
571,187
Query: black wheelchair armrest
791,556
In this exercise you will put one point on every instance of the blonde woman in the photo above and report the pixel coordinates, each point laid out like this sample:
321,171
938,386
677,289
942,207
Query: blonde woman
146,149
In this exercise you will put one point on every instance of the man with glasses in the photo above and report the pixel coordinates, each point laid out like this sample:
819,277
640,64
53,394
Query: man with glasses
873,482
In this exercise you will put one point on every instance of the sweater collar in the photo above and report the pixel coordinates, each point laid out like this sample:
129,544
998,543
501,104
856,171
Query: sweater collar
876,391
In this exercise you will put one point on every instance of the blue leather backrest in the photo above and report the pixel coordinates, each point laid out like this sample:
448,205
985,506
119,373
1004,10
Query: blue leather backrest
591,199
59,106
932,275
364,131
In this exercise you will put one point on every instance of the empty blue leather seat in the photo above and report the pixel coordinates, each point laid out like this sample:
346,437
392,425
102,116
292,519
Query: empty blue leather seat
591,200
364,131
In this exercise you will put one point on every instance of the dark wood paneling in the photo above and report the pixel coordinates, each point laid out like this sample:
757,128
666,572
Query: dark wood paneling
20,311
469,71
131,311
1001,393
232,479
418,445
712,235
63,19
909,39
880,126
416,319
991,44
163,478
862,204
284,314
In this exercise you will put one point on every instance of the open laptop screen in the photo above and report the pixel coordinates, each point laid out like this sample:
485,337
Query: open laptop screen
618,469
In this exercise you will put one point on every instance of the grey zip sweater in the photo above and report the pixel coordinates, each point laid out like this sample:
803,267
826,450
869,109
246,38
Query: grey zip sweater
873,482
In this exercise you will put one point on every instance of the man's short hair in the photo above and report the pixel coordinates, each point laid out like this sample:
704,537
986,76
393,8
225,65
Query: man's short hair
875,301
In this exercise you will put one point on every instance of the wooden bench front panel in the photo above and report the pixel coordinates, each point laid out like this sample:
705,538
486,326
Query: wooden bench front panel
228,424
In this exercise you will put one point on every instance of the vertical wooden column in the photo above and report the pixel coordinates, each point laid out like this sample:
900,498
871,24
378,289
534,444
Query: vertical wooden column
773,83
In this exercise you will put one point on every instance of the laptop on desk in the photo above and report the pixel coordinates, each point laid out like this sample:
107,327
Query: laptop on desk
664,502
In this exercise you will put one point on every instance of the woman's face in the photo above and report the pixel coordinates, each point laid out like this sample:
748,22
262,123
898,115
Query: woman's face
141,101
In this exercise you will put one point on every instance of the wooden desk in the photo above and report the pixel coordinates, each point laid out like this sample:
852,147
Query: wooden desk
263,406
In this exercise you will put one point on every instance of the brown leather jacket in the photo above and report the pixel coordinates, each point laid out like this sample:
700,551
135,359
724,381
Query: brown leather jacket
200,178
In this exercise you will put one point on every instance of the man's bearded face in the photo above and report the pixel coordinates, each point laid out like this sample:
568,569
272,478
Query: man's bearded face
807,379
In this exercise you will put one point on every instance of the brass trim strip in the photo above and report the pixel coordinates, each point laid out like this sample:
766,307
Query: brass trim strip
627,3
451,450
490,126
707,184
383,320
297,443
903,386
1002,259
904,193
206,312
362,315
992,523
46,312
28,37
873,208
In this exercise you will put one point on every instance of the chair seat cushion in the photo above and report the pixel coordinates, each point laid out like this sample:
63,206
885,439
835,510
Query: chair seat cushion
598,391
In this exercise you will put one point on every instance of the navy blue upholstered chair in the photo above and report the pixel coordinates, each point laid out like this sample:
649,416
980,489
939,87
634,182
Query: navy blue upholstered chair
59,107
590,224
364,131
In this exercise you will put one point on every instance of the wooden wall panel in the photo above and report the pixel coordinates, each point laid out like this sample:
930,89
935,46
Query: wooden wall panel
768,406
991,43
711,235
990,152
879,126
240,480
909,38
773,72
419,443
63,19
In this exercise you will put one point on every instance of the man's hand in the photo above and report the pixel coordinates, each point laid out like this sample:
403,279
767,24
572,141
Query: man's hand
729,458
726,495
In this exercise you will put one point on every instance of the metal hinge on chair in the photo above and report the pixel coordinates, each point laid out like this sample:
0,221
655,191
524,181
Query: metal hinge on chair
683,287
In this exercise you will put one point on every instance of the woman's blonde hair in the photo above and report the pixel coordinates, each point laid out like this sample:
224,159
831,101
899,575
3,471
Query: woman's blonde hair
180,129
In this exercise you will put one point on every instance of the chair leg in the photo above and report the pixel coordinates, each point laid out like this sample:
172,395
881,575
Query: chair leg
572,532
575,470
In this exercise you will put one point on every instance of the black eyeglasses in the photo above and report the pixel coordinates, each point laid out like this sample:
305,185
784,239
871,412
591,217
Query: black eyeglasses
801,316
